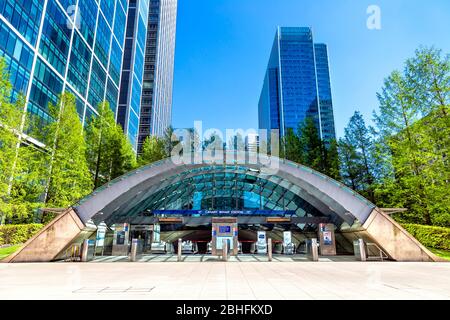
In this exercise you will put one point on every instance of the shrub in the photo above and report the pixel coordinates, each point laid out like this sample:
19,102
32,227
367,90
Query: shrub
429,236
18,233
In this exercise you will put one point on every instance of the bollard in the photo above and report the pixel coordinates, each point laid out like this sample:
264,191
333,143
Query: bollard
362,250
269,249
85,250
314,250
225,250
134,245
180,243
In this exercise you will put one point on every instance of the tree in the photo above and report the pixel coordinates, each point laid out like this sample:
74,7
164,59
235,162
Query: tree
313,148
153,150
350,166
307,147
332,160
68,175
123,157
413,124
109,153
100,132
11,115
358,147
291,147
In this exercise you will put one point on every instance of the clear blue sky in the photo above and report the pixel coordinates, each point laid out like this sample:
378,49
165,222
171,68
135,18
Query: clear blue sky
223,48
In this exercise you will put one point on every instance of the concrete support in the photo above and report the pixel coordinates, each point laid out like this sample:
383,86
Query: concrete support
225,250
269,249
50,241
395,241
180,244
360,250
314,250
134,247
85,251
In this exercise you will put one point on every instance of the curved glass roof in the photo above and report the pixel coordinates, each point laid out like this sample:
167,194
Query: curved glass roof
209,186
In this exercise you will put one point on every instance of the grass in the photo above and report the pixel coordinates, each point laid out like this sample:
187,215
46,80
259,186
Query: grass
4,252
441,253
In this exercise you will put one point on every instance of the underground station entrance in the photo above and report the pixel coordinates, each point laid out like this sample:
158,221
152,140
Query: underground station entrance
212,235
222,211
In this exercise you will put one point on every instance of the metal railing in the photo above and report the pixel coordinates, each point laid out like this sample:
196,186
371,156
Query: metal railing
381,254
73,253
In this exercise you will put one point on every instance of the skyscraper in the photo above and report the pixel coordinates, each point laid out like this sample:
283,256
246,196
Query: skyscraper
132,70
297,84
156,106
55,46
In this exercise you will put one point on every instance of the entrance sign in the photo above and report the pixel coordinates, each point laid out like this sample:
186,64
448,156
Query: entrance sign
225,213
224,229
327,239
261,243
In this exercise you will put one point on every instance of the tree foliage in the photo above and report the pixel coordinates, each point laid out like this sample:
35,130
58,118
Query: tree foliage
153,150
357,154
109,153
68,175
306,147
21,172
413,124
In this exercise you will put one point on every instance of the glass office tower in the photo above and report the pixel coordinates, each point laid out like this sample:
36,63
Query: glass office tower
55,46
156,106
133,69
297,84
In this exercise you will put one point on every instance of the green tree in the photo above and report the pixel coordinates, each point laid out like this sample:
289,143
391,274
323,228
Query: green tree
11,117
312,145
123,156
413,124
332,160
100,132
153,150
68,175
291,147
350,164
359,146
109,153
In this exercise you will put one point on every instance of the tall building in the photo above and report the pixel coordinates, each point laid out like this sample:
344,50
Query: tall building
55,46
297,84
156,106
132,69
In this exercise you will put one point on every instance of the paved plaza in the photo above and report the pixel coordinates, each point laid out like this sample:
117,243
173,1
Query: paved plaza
226,281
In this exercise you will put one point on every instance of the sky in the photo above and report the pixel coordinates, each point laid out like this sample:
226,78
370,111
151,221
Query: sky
223,48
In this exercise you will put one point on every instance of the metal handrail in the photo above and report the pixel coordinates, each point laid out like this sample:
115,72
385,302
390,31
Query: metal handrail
383,255
73,253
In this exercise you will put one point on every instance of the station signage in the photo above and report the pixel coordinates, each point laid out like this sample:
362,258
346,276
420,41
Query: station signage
225,213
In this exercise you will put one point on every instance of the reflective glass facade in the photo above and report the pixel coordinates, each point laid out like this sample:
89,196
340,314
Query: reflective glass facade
55,46
132,69
297,84
156,106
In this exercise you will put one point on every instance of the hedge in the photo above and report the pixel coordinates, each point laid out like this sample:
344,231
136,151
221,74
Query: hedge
18,233
429,236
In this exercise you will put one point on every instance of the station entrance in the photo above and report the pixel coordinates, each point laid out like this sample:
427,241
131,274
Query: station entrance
212,232
215,208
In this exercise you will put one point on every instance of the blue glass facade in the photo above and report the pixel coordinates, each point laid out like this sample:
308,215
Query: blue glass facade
55,46
297,84
156,105
132,69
